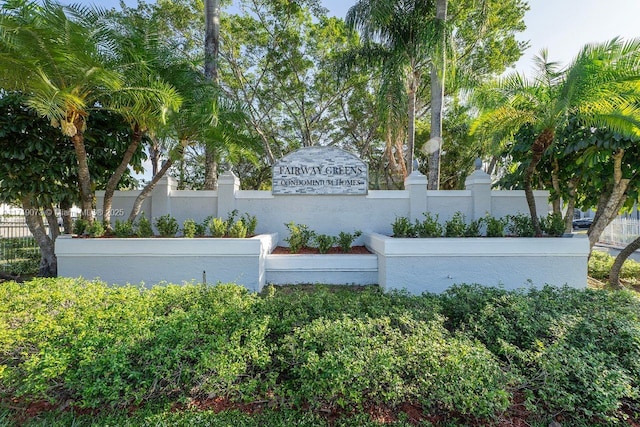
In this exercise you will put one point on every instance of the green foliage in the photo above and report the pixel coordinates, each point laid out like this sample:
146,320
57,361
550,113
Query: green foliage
124,228
456,226
459,354
324,242
553,224
238,230
520,225
600,264
473,228
95,229
201,229
122,345
217,227
189,228
345,240
429,227
299,236
241,228
567,344
495,226
402,227
167,225
348,362
251,222
143,226
80,226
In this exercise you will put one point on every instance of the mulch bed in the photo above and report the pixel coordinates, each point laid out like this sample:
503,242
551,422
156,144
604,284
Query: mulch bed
281,250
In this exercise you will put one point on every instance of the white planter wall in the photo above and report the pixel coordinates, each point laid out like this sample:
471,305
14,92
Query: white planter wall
433,265
173,260
328,269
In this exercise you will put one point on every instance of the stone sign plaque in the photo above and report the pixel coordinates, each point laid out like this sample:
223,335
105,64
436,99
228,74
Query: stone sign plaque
320,170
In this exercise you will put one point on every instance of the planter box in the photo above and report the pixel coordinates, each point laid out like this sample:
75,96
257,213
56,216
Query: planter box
171,260
329,269
433,265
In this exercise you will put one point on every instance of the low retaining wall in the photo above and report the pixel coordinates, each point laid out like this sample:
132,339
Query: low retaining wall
328,269
174,260
433,265
417,265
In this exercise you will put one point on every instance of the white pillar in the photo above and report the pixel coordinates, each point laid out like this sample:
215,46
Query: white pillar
416,185
228,186
480,185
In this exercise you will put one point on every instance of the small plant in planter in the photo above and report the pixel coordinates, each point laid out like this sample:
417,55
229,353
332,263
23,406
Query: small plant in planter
251,222
217,227
473,229
238,230
553,224
95,229
201,229
80,226
299,236
189,228
167,225
429,227
143,227
456,226
124,228
324,242
345,240
521,226
402,227
495,226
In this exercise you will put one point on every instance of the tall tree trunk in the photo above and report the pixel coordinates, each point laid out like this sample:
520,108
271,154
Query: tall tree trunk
33,218
614,275
154,157
611,203
411,129
571,205
52,220
541,143
84,177
135,210
555,184
210,168
211,48
114,180
65,213
438,69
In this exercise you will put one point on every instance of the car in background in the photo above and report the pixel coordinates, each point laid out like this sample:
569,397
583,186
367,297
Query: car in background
582,222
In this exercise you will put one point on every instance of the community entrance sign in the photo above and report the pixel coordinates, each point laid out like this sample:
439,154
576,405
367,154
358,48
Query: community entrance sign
320,170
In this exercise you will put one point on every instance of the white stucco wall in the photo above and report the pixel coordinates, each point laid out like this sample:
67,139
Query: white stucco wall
171,260
433,265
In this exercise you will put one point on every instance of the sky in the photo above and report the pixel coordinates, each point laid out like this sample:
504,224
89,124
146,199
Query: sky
560,26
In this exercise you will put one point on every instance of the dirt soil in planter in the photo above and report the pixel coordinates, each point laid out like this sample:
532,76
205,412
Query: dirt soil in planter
281,250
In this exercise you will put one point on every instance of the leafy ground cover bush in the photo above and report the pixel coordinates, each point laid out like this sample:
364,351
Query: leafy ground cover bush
466,357
600,266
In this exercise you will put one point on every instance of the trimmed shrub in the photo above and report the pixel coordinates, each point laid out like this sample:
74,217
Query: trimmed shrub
189,228
167,225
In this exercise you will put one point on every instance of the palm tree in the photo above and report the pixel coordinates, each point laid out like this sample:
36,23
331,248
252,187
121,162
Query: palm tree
56,62
397,37
205,117
601,87
146,97
438,69
69,61
211,48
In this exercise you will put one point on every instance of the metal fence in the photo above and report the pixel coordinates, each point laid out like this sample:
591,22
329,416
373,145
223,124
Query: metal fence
621,231
19,252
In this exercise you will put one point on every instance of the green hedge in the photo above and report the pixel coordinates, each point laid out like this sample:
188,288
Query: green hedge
465,353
